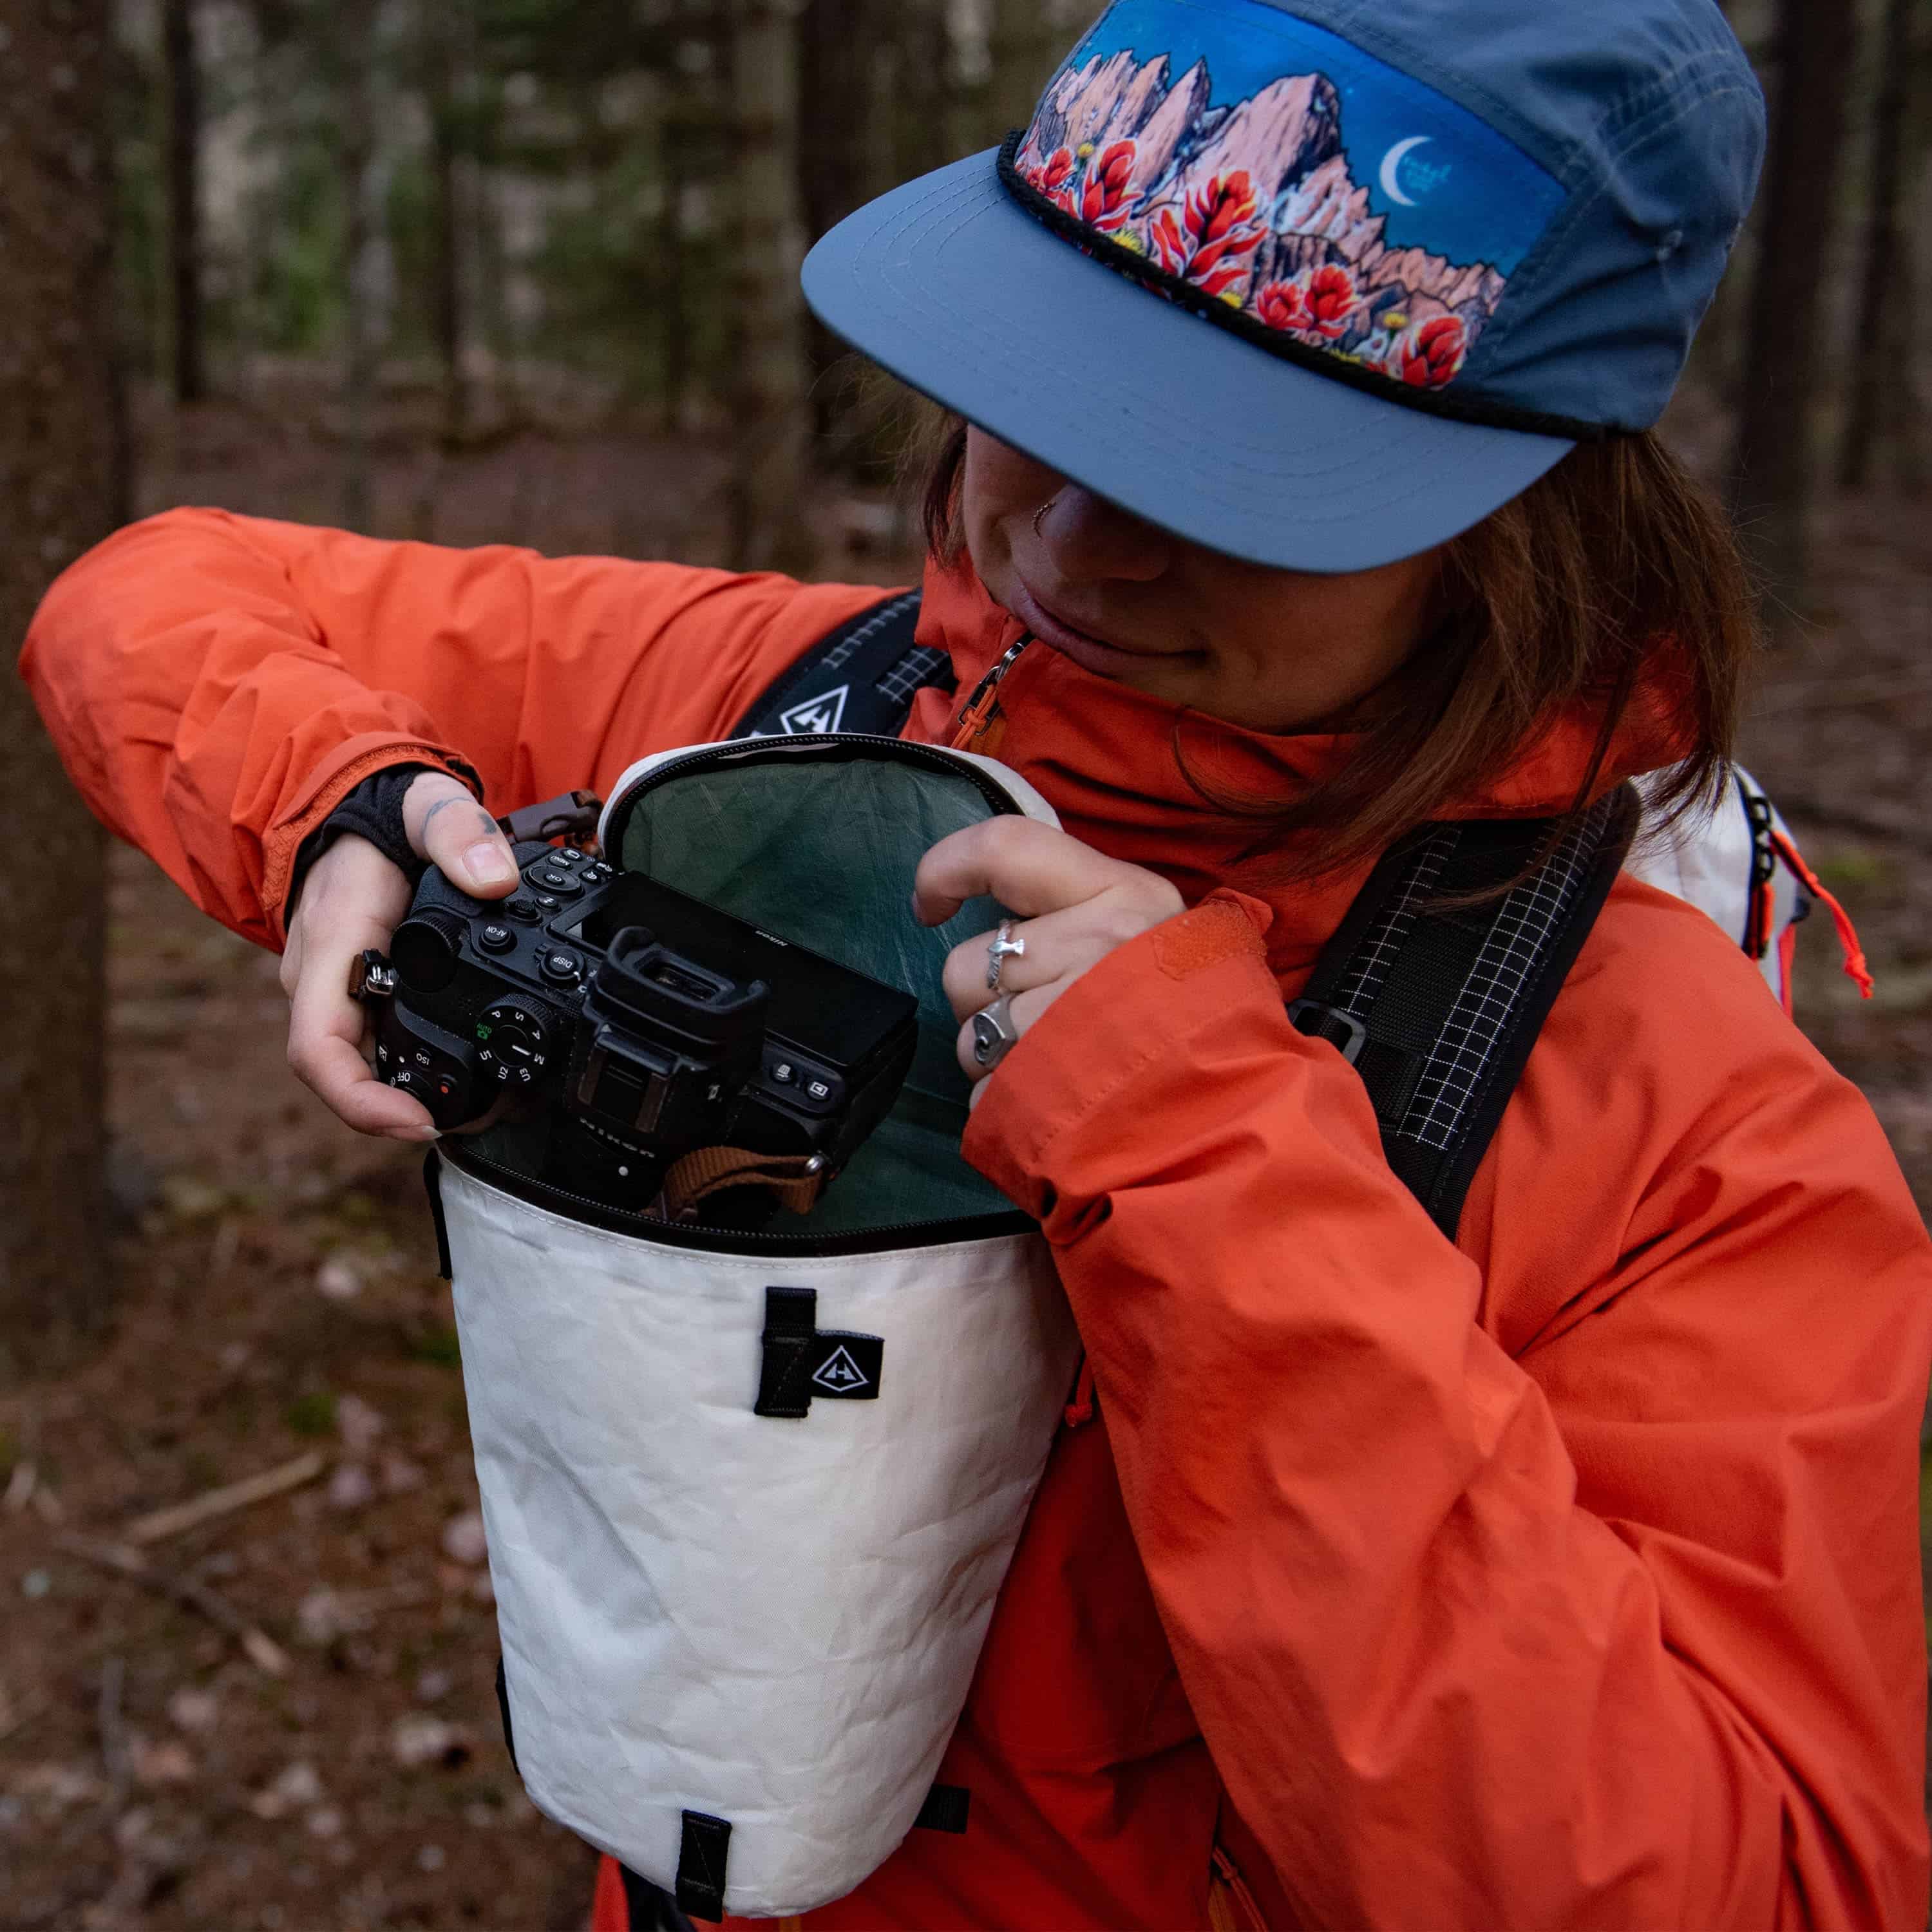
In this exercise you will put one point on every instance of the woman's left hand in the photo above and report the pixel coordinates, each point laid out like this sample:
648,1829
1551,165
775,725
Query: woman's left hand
1078,905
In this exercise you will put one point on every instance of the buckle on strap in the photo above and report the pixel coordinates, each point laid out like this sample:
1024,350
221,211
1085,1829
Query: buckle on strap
1343,1031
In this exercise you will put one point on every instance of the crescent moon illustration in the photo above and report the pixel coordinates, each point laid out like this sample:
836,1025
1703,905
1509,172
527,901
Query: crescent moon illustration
1392,167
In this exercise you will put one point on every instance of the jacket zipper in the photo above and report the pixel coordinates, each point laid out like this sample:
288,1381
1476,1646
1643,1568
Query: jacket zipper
728,1240
1246,1915
976,715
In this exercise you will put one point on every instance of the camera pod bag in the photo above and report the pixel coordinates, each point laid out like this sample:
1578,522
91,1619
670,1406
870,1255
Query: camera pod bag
735,1643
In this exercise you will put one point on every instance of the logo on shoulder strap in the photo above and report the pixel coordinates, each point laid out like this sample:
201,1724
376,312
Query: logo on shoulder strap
814,715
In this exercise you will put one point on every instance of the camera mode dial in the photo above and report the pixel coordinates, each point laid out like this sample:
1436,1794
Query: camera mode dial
511,1046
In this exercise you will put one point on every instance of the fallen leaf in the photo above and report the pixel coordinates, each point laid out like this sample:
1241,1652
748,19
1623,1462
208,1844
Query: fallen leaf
358,1424
194,1712
463,1540
350,1487
168,1761
417,1740
338,1280
296,1787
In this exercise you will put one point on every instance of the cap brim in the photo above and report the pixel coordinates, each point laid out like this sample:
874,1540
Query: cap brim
951,285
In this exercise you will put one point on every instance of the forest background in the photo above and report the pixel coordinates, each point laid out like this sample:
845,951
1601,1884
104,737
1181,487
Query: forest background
476,270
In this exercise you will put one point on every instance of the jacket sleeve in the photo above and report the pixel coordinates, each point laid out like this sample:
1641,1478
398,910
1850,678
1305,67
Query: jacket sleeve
217,684
1617,1625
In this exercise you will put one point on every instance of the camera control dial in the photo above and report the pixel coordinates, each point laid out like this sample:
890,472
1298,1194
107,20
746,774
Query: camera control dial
511,1046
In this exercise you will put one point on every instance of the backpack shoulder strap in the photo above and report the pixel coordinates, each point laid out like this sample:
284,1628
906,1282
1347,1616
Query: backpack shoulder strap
862,677
1437,1002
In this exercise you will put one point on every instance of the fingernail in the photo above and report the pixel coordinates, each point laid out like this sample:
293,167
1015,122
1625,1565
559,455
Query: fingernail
488,864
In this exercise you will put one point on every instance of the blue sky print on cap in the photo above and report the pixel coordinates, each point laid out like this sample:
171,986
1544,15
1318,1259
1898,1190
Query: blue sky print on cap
1277,167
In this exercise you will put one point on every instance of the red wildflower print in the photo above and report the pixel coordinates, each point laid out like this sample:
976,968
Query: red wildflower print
1052,176
1215,235
1431,355
1284,306
1331,300
1318,304
1103,199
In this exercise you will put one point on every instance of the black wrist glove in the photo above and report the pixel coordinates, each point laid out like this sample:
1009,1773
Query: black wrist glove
373,811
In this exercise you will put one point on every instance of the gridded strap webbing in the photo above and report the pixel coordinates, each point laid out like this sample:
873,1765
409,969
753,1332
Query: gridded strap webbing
1437,1001
862,677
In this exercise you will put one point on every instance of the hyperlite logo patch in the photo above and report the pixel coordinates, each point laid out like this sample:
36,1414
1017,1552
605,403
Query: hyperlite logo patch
816,715
801,1361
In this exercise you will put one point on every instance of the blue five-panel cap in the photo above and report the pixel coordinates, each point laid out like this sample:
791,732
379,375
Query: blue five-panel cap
1322,284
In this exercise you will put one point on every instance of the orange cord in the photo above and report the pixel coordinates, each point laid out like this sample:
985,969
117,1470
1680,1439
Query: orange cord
1856,967
1080,1410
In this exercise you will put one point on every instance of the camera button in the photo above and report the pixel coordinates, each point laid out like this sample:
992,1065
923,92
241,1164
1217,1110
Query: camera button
562,969
524,908
553,879
783,1073
819,1089
496,939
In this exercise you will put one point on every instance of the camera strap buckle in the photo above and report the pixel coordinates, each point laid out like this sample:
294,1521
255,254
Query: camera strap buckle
573,816
797,1180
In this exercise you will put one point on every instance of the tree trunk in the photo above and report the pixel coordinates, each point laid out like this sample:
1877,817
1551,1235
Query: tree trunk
1886,285
355,95
768,530
837,40
1772,470
1024,43
445,106
187,353
58,493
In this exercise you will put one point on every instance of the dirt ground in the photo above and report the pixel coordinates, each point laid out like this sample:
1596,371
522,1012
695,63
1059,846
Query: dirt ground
279,1300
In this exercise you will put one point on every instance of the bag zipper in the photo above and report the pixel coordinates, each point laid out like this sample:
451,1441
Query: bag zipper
727,1240
741,750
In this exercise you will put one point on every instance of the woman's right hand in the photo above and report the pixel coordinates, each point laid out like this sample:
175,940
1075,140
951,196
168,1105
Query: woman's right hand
352,901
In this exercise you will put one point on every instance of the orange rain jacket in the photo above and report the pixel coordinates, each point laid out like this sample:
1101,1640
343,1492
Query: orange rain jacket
1567,1575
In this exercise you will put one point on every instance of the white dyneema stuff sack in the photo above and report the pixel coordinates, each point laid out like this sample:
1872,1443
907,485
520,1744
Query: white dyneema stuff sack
751,1496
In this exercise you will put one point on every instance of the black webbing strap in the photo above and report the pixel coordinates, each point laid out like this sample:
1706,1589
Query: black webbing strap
862,677
702,1851
1437,1004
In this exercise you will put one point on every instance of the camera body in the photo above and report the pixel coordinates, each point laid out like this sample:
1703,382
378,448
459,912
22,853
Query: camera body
654,1024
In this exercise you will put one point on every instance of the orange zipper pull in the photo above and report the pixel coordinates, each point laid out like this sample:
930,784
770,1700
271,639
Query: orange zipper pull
975,719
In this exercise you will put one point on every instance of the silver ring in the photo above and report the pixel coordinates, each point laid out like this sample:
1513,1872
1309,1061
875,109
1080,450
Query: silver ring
1039,515
1002,947
993,1032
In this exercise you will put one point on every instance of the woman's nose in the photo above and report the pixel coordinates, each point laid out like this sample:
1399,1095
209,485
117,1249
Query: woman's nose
1089,540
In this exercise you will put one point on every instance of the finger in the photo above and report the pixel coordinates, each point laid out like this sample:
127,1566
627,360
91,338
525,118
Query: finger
1057,944
1028,866
449,828
325,1030
1025,1009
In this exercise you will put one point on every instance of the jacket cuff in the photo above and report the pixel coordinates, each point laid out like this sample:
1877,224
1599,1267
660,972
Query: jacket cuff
361,758
1114,1031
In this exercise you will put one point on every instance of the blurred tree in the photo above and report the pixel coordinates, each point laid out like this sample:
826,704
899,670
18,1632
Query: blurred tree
1772,469
1026,40
439,33
187,344
355,22
1883,408
769,476
60,491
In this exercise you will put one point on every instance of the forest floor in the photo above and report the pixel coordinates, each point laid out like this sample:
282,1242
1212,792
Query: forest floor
279,1299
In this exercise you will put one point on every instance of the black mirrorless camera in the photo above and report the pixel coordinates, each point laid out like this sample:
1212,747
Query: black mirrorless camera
650,1025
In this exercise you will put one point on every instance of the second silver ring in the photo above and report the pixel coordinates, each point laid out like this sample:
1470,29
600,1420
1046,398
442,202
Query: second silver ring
1002,947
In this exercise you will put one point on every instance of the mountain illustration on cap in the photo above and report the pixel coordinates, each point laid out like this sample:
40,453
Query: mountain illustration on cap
1255,204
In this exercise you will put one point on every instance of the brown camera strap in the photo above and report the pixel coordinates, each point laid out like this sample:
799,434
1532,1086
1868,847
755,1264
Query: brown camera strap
797,1180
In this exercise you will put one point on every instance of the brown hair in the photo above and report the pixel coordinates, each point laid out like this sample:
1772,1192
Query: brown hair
1615,570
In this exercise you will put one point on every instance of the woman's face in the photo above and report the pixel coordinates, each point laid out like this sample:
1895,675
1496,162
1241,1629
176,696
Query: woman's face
1273,650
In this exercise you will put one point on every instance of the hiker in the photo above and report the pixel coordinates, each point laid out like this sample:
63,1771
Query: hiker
1562,1570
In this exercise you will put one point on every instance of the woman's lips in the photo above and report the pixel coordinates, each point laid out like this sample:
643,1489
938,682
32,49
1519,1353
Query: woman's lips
1090,653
